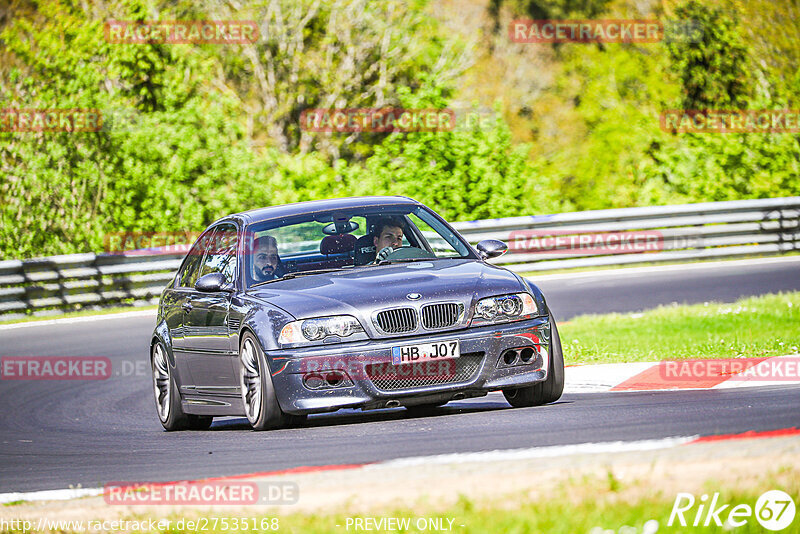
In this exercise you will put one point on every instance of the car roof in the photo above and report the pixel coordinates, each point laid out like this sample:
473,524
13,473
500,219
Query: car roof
312,206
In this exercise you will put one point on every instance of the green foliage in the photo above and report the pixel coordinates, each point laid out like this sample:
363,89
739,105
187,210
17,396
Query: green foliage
714,69
719,72
716,167
341,54
473,172
179,147
771,29
552,9
169,165
193,132
598,150
600,142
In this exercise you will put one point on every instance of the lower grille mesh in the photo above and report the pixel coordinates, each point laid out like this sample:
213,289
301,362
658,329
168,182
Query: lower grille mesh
389,377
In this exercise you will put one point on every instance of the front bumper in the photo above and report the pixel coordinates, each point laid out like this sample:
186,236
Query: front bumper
371,381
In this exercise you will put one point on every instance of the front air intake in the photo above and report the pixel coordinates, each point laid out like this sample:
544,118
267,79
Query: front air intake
397,321
436,316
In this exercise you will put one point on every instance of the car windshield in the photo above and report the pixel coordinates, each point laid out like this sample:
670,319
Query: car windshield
342,240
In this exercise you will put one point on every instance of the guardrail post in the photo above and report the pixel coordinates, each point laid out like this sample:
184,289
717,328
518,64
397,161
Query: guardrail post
27,295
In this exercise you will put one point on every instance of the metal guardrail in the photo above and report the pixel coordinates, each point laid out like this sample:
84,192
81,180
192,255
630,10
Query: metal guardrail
677,233
537,243
75,281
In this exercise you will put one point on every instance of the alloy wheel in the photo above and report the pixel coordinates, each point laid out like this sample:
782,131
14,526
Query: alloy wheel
250,380
161,382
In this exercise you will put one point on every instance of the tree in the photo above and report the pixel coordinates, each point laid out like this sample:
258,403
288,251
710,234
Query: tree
713,69
473,172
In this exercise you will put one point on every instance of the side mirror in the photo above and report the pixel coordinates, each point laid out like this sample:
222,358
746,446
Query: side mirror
491,248
213,283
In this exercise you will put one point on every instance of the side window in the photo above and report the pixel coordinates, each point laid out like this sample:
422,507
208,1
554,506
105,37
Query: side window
441,247
188,274
221,255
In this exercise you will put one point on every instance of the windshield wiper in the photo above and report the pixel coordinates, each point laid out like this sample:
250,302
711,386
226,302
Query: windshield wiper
289,276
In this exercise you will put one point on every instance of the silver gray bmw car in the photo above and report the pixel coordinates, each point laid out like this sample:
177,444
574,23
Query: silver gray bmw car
367,303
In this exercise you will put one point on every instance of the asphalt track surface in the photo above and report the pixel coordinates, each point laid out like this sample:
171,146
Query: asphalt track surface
59,433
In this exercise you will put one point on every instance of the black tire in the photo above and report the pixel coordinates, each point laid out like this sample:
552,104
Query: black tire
263,412
167,397
544,392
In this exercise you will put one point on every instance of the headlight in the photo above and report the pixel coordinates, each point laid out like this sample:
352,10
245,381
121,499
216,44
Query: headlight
504,309
319,328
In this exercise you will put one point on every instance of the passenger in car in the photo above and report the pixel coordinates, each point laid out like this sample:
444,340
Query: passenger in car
266,261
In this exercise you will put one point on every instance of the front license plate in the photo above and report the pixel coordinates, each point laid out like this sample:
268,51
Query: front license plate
426,351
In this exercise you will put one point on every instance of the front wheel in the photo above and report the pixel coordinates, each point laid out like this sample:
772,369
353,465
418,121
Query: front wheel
168,400
258,394
553,386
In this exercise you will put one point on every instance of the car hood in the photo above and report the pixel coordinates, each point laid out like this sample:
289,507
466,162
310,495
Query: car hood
361,291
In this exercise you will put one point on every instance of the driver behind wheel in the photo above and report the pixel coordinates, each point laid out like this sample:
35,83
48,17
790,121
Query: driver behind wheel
388,236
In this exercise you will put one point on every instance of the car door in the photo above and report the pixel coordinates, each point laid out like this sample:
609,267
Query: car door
175,304
207,338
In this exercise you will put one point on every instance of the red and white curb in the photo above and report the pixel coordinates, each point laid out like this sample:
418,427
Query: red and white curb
472,458
678,375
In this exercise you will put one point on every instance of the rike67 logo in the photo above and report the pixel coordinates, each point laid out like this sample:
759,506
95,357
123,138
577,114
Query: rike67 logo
774,510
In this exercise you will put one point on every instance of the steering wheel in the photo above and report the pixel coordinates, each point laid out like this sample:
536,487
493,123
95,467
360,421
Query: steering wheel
405,253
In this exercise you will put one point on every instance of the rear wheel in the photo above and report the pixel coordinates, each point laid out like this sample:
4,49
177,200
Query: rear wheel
258,395
167,397
544,392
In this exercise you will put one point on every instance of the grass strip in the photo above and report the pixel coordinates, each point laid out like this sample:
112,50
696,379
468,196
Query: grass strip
767,325
587,504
